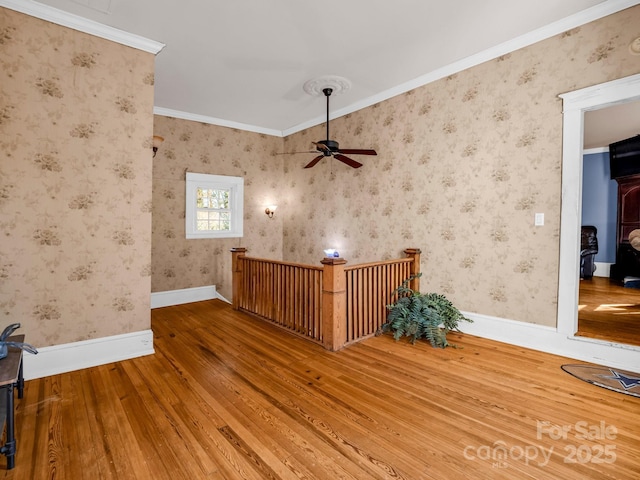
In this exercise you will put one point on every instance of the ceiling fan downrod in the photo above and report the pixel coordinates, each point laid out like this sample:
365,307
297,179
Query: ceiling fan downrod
327,93
331,148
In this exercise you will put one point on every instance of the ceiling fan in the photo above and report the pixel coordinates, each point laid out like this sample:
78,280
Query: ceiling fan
330,148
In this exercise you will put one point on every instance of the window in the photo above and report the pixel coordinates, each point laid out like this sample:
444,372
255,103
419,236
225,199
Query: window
214,206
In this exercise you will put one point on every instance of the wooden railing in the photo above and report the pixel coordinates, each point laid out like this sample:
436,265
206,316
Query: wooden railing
288,294
332,305
369,291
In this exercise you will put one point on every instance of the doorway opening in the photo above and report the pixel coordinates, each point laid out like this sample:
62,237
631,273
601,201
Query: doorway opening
609,300
575,104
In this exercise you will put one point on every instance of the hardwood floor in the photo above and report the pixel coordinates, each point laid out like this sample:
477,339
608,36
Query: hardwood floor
227,396
609,311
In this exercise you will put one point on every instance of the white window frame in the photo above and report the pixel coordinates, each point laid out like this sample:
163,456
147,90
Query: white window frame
235,185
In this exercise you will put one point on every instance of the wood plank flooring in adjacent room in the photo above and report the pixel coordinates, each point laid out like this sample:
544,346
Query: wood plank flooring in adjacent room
608,311
227,396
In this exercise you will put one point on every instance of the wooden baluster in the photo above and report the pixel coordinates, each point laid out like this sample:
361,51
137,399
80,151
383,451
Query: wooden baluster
414,253
318,306
334,306
237,275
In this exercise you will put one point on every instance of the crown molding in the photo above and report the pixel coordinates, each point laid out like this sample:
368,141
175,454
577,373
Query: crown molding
167,112
591,151
75,22
589,15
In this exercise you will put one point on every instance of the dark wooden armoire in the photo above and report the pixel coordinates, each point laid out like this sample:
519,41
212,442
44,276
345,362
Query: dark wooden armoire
627,258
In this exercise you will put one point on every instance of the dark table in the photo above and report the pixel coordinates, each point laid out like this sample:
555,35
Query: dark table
10,377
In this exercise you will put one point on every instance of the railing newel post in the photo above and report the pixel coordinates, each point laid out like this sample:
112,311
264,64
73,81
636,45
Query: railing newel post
237,282
334,303
414,253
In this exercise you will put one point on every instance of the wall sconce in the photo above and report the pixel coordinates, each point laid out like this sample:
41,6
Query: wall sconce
157,140
270,210
331,253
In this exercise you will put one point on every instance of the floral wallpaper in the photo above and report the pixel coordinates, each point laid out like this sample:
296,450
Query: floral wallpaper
75,182
91,224
202,148
463,165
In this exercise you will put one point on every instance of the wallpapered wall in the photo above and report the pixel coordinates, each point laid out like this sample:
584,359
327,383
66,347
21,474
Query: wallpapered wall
75,182
463,165
201,148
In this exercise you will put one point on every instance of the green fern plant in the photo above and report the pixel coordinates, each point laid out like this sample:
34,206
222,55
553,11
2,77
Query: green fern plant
422,315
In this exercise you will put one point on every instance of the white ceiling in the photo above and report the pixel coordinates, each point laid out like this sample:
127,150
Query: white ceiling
243,62
611,124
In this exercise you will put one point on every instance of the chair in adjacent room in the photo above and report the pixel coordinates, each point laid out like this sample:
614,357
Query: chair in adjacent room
588,250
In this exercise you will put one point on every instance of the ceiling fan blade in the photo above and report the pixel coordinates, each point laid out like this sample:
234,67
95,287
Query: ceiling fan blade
314,161
347,160
295,153
356,151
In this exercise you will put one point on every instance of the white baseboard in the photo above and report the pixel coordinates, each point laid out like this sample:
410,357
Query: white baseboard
185,295
602,269
222,298
547,339
88,353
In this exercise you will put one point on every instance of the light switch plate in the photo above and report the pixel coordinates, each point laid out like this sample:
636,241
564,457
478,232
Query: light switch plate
539,219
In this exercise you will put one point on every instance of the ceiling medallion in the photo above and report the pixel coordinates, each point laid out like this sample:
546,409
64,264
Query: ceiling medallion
316,86
634,47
